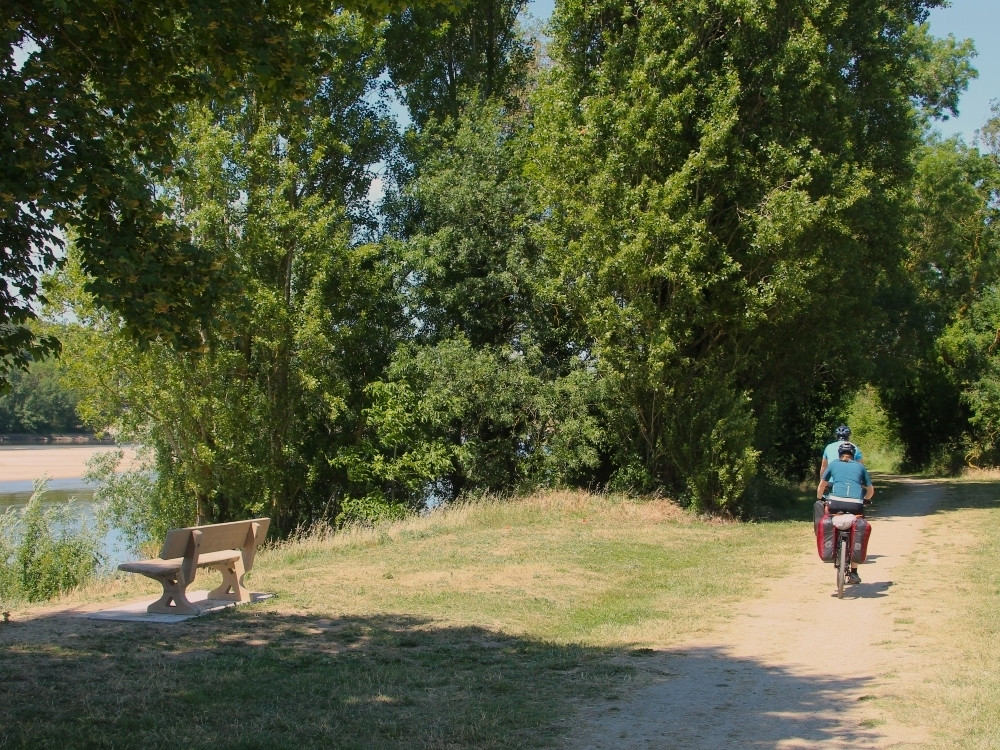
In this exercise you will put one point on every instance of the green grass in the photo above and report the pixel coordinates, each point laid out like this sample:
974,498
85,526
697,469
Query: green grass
483,626
478,627
952,621
592,570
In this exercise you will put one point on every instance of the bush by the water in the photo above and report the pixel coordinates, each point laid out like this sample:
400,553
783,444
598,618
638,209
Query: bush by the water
45,550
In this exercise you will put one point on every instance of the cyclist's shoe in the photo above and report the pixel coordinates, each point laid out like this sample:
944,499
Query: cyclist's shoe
853,577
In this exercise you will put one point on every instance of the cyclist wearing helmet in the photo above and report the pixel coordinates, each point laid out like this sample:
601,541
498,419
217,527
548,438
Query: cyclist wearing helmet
850,487
843,435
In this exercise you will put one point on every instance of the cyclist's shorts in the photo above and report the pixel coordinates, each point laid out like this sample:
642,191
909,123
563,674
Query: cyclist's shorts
845,505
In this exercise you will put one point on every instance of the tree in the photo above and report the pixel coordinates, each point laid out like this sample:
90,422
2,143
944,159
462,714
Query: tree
948,399
487,367
476,399
721,177
461,229
305,315
436,55
942,69
88,97
38,403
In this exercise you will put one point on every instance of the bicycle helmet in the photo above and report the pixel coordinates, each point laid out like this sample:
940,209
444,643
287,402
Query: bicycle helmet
847,448
843,432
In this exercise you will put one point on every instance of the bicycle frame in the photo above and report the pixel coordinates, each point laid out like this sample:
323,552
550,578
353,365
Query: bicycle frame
842,548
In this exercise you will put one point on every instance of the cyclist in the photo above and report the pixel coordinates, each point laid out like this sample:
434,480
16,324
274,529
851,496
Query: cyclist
850,488
842,435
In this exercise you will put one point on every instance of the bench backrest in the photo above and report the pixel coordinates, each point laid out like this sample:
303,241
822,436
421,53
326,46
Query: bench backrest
216,537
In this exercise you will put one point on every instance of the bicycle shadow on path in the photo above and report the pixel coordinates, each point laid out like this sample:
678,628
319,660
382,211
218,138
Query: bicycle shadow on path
797,668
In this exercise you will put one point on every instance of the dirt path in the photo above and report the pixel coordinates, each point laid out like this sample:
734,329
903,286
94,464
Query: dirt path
771,678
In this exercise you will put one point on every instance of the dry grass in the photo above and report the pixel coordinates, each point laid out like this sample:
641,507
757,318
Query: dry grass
980,474
491,509
571,567
949,627
478,626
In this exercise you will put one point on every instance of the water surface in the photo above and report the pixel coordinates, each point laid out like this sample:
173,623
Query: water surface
16,494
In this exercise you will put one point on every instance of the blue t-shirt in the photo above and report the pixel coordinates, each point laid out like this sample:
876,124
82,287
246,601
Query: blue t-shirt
830,452
848,479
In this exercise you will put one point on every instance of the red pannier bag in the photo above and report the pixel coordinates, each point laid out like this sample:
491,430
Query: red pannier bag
859,539
826,536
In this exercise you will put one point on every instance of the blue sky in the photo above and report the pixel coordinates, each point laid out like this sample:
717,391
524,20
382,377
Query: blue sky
978,20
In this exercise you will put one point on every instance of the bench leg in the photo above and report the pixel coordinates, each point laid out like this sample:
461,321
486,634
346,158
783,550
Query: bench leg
174,600
232,588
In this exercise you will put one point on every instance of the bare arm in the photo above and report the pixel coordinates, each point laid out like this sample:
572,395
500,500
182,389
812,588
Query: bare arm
821,488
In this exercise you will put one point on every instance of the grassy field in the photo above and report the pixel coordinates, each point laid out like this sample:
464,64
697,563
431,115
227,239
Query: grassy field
481,626
950,623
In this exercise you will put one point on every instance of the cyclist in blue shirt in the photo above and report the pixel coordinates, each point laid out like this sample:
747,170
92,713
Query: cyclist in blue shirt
850,487
843,435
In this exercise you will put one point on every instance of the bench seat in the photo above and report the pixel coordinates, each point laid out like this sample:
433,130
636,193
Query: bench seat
160,567
229,548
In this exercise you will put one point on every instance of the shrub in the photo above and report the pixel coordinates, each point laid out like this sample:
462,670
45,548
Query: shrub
45,550
9,587
132,501
872,430
369,510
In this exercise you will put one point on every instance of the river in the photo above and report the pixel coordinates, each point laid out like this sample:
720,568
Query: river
19,463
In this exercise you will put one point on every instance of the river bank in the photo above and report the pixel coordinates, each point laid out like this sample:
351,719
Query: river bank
20,463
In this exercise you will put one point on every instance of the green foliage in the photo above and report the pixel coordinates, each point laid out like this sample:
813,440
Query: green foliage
970,345
38,402
969,246
635,279
937,384
276,194
9,584
713,440
133,502
488,396
401,454
452,419
462,229
942,70
89,132
44,551
369,510
953,230
794,428
703,190
437,54
874,432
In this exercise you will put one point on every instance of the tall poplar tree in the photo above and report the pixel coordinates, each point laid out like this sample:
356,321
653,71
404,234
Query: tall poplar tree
725,182
438,54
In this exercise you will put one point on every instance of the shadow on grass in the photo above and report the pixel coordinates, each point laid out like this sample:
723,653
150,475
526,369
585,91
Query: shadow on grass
908,497
254,678
970,494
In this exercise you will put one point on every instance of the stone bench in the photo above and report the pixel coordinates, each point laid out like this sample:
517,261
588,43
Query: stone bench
227,547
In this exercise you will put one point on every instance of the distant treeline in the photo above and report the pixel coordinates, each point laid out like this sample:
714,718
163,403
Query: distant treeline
39,404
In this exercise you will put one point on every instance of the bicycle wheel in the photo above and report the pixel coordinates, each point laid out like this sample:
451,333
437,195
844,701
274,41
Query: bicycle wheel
843,564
